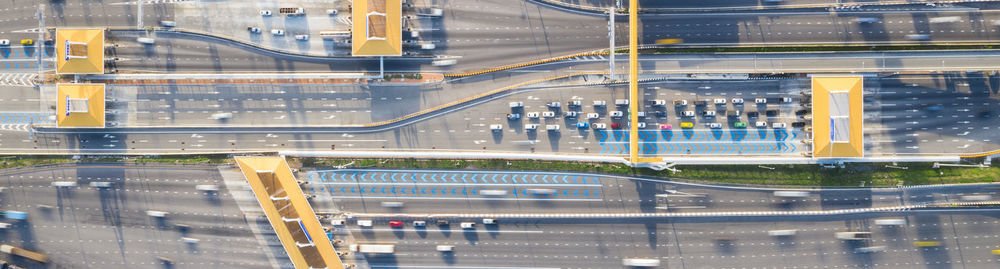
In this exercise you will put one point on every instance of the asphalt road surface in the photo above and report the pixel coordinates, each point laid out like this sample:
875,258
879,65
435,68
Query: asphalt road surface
932,117
966,238
87,227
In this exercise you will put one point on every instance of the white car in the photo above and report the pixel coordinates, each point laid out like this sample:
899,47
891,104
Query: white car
571,114
4,42
600,103
642,125
715,125
489,221
419,223
265,12
737,100
445,248
63,184
708,113
616,114
496,127
760,124
593,116
516,104
253,30
548,114
720,101
331,12
553,104
531,115
467,225
786,99
621,102
207,187
574,103
552,127
777,125
641,114
760,100
301,37
277,32
782,232
890,222
688,113
338,222
600,126
659,102
531,126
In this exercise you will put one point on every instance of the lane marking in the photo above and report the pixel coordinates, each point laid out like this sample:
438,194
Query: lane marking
463,198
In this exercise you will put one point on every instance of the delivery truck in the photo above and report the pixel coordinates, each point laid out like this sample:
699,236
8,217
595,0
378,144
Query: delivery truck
373,248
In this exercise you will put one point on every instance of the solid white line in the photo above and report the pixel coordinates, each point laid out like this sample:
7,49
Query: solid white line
462,198
454,184
337,140
424,230
457,267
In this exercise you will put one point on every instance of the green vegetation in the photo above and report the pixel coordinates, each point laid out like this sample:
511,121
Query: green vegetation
7,162
877,174
26,161
852,174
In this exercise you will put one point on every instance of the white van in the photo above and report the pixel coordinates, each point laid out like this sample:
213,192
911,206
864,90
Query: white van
63,184
641,262
145,40
890,222
365,223
207,187
796,194
392,204
168,23
467,225
445,248
219,116
552,127
621,102
782,232
156,214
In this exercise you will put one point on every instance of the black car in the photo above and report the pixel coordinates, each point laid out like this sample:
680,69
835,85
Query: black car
798,124
752,114
771,113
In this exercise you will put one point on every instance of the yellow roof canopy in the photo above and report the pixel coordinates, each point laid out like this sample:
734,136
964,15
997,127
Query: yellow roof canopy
838,109
377,28
289,212
79,51
80,105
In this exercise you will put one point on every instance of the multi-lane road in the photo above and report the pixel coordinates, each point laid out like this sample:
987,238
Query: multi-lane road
906,114
90,226
679,242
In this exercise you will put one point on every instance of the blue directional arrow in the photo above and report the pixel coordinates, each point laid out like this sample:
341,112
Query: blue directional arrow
474,191
342,189
453,177
574,179
382,176
464,176
794,147
373,189
494,178
424,190
383,190
575,192
453,191
394,190
534,178
596,193
463,192
566,192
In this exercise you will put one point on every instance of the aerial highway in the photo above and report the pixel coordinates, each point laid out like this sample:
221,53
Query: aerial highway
74,220
583,242
909,114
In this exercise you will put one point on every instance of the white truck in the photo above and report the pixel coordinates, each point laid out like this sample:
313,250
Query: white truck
853,235
373,248
641,262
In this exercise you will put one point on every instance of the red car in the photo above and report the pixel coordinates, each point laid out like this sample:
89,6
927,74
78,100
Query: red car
616,125
396,224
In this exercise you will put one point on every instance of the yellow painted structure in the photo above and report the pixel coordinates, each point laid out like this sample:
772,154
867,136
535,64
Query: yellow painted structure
288,211
377,29
633,86
80,105
826,90
72,57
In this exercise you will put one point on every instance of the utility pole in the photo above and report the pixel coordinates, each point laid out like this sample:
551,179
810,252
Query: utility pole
139,15
611,41
40,48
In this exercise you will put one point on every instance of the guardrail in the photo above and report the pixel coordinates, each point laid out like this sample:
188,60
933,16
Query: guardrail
554,216
982,154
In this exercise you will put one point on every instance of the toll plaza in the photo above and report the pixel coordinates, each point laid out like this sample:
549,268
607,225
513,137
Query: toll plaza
289,212
838,111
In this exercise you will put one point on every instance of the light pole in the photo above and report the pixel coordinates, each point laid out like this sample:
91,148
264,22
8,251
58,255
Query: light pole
611,41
